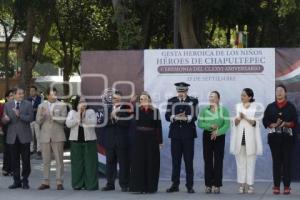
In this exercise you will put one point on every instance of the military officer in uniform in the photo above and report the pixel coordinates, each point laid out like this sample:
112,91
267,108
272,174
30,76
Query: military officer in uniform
182,114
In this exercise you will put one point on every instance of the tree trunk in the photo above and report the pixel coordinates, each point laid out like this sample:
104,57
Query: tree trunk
27,61
6,65
176,24
67,64
200,22
118,14
26,75
252,35
66,78
261,36
146,27
116,3
228,36
186,25
29,56
67,69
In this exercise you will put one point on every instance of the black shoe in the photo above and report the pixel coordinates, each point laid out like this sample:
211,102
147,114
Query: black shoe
208,190
25,186
216,190
38,156
5,173
108,188
15,186
44,187
125,189
190,190
60,187
151,192
173,189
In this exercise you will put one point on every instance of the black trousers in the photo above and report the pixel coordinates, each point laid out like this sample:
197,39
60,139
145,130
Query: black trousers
113,157
145,163
6,156
18,150
281,146
213,154
182,148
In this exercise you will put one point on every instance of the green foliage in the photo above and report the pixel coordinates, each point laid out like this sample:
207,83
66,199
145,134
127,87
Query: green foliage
129,29
79,25
286,7
102,33
12,64
135,24
219,38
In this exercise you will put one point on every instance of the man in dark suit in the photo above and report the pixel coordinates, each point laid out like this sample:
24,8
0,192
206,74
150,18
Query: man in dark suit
115,139
18,114
35,100
182,113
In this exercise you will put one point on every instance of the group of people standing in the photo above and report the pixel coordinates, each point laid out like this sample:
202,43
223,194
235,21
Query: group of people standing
132,138
280,117
48,118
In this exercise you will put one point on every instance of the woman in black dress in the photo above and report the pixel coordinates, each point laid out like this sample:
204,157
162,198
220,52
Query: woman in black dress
280,118
147,140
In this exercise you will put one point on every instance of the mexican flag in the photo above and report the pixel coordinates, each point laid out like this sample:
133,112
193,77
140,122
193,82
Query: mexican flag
101,159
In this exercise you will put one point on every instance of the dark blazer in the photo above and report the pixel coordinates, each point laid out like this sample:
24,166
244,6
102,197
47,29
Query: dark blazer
19,126
37,102
149,119
1,113
273,112
115,133
182,129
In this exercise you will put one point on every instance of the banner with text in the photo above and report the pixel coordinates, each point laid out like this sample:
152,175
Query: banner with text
225,70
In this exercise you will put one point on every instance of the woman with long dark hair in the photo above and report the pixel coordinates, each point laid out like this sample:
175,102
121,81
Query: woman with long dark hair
146,146
246,141
280,118
84,160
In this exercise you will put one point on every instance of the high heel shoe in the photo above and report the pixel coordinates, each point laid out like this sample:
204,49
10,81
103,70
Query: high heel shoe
276,190
242,189
287,190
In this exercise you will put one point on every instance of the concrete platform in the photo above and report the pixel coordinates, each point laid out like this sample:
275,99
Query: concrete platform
229,191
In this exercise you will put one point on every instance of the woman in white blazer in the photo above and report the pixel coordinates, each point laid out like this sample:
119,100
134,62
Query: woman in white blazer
84,160
246,141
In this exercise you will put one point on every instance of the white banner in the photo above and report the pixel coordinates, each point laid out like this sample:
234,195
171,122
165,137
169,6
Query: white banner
225,70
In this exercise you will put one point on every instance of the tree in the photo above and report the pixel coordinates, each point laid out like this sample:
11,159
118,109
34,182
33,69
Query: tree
129,25
186,25
38,18
142,24
78,25
9,22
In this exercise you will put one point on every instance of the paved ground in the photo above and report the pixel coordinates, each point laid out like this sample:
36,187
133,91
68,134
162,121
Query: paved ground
229,191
